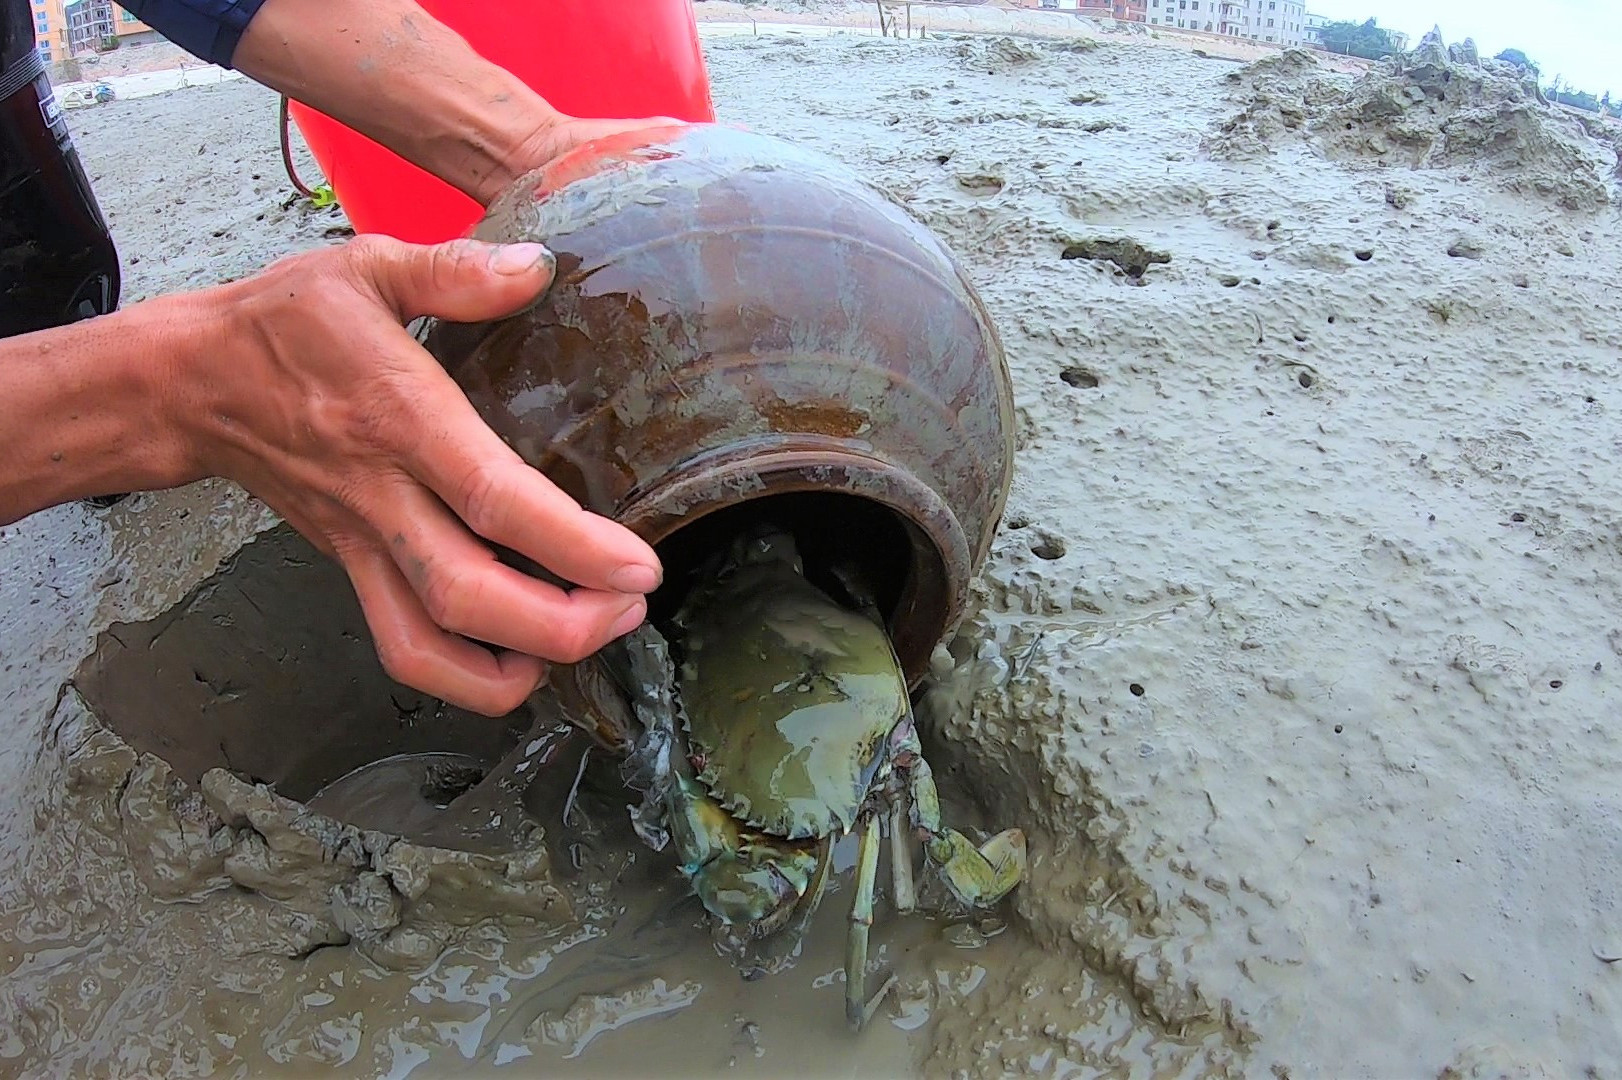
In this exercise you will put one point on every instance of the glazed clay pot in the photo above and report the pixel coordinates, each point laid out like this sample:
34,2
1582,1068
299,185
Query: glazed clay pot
741,328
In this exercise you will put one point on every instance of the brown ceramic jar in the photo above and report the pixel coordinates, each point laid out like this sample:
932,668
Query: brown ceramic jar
742,328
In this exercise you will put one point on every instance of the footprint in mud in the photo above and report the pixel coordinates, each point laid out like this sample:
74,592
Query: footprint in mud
1079,377
1464,247
980,183
1044,545
1131,259
1299,372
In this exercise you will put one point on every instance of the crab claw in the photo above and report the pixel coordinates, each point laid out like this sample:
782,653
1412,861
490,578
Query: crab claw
979,876
738,889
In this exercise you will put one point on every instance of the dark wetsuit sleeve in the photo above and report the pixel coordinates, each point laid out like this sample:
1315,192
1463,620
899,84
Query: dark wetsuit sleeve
208,29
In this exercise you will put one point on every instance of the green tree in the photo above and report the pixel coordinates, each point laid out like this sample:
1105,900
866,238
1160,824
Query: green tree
1367,39
1580,99
1515,56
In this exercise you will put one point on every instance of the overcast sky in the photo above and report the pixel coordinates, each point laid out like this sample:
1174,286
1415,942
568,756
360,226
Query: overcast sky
1579,39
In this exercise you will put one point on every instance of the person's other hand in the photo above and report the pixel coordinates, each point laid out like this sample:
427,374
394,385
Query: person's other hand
568,132
319,402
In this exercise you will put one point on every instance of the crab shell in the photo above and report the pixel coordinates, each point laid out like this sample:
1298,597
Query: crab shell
789,698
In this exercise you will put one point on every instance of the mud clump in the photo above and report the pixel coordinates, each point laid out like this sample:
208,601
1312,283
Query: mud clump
321,881
1281,96
1433,108
1002,55
1129,257
998,56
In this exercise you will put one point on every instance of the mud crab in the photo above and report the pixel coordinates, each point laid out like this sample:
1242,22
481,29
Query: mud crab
797,729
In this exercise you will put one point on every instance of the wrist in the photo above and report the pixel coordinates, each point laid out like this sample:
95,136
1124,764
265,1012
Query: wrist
488,135
445,109
91,411
197,376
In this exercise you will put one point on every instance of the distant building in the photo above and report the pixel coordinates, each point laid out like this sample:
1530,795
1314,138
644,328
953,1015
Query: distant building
1125,10
65,28
1278,22
1399,40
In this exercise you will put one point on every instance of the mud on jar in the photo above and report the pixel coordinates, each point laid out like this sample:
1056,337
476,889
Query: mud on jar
740,331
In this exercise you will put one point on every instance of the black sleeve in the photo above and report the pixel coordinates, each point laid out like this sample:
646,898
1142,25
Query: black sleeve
208,29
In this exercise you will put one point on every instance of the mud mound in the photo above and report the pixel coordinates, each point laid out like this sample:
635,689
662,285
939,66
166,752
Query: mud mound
998,56
1290,69
1437,107
1279,97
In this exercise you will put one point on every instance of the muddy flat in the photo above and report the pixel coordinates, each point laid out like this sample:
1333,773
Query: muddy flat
1296,656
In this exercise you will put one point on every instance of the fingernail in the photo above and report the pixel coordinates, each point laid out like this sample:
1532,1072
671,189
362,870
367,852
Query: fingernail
630,620
520,258
634,577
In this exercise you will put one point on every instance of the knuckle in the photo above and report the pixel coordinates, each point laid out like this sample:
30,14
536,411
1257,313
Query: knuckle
402,661
370,247
448,264
573,641
499,702
486,494
451,600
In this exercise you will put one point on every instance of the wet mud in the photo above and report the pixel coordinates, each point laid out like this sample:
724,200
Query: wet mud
1294,656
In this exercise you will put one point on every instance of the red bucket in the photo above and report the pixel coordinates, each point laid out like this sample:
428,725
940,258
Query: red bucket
607,59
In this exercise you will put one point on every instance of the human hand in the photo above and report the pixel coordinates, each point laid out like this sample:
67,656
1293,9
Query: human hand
318,401
565,133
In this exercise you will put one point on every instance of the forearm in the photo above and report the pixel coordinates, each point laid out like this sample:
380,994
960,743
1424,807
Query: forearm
84,409
397,75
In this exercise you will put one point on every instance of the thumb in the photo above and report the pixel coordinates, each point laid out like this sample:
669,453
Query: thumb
462,280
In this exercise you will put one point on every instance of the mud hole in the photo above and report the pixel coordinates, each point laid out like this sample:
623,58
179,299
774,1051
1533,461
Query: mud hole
1128,256
348,850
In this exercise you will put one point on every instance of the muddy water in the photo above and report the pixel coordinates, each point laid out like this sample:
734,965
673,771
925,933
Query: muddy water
1295,658
214,916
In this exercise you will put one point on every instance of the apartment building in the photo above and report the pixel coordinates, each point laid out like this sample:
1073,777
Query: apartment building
1278,22
64,28
1125,10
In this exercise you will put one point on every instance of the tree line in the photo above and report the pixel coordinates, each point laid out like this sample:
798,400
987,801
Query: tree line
1373,42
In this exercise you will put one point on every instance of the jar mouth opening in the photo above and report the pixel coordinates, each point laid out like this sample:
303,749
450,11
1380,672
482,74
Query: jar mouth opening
843,504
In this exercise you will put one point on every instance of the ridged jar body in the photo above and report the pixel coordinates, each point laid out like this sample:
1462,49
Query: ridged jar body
740,324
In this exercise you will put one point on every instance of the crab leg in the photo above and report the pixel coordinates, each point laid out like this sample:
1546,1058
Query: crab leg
976,876
859,1009
807,907
906,896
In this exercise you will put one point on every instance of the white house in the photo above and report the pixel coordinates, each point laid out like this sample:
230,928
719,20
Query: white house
1280,22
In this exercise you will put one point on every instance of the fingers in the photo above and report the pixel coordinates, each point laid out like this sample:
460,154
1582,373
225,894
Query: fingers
483,480
506,501
572,133
416,652
465,590
463,280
